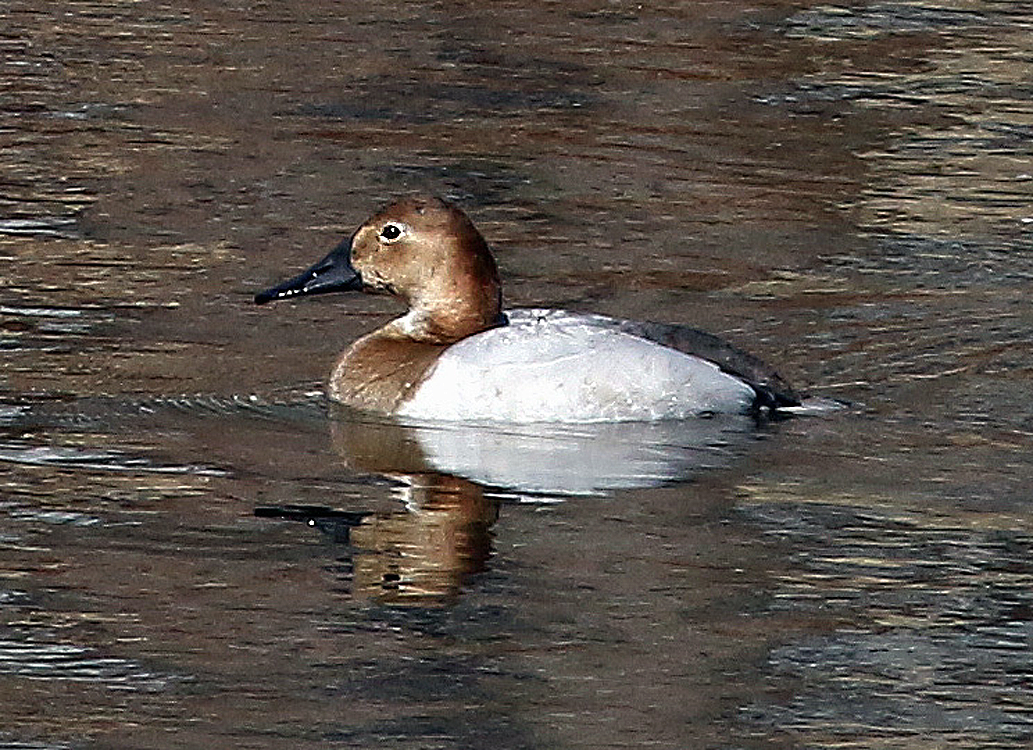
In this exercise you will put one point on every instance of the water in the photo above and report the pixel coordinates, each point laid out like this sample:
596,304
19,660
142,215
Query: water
198,551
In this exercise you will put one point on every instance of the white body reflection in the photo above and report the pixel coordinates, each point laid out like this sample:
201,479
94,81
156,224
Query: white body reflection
583,459
547,459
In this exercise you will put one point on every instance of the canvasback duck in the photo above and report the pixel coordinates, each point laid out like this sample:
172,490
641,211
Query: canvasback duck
456,356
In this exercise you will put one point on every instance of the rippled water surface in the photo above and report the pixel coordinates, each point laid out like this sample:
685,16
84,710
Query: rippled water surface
196,550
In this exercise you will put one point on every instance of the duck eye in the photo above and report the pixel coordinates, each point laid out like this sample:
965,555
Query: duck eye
391,232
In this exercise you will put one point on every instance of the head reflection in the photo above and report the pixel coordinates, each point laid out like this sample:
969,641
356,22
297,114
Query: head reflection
424,554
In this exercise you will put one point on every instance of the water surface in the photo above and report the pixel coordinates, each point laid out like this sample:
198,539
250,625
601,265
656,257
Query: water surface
198,551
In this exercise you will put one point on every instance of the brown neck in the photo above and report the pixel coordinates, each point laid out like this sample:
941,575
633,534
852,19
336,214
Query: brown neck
456,316
464,302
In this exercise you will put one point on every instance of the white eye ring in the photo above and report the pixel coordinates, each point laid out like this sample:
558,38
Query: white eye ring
392,232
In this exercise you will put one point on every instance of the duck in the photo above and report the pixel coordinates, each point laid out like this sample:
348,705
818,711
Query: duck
456,355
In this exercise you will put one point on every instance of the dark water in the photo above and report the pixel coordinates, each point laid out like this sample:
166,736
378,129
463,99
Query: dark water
197,552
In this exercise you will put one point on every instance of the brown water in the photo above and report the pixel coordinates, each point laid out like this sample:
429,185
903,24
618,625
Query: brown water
845,190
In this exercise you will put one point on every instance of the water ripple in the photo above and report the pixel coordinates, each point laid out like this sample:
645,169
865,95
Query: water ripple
39,660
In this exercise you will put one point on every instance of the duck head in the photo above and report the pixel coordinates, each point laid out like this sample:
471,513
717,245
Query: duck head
422,250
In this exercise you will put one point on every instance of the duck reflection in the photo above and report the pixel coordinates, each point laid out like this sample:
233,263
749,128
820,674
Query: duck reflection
451,480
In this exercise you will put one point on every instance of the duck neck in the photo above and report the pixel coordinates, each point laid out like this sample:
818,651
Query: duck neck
448,319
